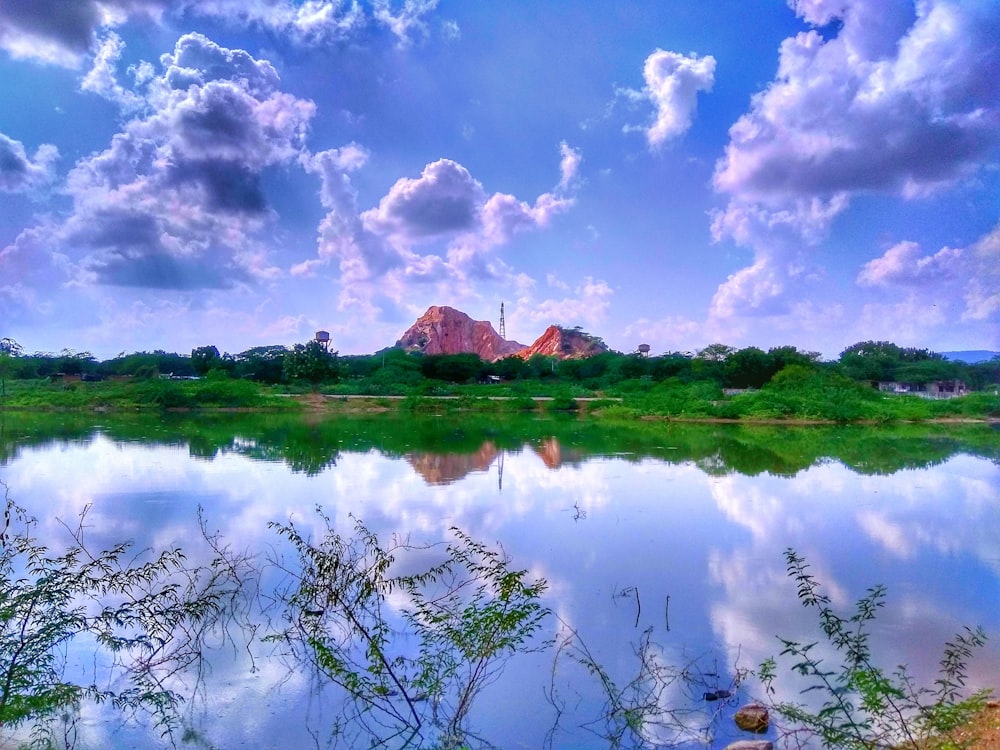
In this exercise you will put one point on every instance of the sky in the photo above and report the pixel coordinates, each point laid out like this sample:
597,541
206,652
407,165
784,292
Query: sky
239,173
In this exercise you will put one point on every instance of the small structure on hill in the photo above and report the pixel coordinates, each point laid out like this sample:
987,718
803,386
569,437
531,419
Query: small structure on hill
935,389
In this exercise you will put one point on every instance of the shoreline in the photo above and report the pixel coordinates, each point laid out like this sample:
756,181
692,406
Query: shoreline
320,403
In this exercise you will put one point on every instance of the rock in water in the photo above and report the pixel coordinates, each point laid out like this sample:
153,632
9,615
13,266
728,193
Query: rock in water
752,718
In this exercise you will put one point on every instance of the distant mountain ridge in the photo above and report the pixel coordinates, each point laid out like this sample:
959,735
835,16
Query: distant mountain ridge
445,330
971,356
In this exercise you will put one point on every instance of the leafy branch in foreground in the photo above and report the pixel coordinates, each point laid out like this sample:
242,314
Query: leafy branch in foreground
146,619
412,651
864,708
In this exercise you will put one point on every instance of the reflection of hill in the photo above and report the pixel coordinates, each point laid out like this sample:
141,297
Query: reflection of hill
445,468
444,449
554,455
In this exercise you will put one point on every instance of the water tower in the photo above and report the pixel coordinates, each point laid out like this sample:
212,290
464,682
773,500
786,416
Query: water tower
323,339
643,350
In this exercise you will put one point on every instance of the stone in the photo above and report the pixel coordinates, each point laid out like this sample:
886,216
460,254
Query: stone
564,343
752,718
445,330
750,745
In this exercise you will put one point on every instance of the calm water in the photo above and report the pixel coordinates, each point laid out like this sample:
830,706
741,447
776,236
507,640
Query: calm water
662,547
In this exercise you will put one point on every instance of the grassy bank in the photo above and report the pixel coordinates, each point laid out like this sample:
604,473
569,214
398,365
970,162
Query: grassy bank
147,394
793,395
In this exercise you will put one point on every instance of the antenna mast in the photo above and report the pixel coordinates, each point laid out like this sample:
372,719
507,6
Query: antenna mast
503,325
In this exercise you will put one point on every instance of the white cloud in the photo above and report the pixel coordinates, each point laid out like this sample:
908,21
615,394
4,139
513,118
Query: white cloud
588,305
673,81
891,103
445,209
102,79
20,172
896,99
175,201
935,287
903,264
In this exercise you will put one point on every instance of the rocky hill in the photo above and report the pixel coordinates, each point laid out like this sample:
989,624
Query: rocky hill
445,330
564,343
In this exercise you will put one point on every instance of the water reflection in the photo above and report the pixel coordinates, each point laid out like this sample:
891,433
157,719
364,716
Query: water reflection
661,544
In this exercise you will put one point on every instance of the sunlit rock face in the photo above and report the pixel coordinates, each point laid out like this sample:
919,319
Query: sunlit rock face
445,330
564,343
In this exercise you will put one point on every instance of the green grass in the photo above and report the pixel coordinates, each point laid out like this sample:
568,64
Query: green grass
146,394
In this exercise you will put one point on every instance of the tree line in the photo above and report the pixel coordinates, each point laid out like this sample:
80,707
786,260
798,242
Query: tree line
728,367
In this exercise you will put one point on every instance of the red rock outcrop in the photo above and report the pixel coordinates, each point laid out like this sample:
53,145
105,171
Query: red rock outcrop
445,330
564,343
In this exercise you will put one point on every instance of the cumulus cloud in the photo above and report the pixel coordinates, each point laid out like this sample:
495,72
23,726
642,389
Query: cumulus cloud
60,32
673,81
894,98
588,304
779,238
930,289
900,100
445,199
445,210
904,264
20,172
102,78
64,33
175,201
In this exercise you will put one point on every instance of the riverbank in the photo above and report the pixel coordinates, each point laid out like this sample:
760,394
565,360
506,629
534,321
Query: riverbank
803,403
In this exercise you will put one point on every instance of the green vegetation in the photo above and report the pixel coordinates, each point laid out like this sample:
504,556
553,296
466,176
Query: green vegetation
311,445
466,615
865,708
146,616
719,382
410,669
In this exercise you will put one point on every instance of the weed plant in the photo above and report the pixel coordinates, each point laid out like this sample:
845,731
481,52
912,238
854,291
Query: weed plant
863,706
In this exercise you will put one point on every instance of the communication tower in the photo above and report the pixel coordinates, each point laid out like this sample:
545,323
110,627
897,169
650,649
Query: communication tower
503,325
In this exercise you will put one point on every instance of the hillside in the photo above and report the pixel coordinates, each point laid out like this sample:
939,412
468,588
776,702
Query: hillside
445,330
564,343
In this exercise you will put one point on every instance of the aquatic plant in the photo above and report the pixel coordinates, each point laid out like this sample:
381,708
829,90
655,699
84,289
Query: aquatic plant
146,617
864,707
463,617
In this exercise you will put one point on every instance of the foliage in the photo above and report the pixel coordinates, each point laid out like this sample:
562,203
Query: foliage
310,362
642,713
465,615
865,708
146,616
9,350
205,358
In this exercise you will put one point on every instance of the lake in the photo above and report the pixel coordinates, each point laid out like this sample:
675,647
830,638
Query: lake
661,545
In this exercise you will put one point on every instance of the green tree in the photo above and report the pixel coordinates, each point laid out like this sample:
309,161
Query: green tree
262,363
310,362
205,358
748,368
9,349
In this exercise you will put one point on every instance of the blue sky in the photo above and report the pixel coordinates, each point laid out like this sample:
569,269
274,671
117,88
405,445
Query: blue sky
177,173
